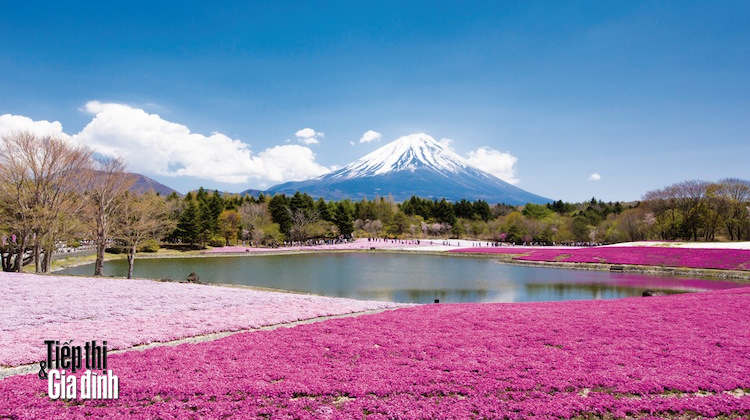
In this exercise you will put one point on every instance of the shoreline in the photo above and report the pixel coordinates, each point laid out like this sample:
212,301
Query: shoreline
703,273
506,258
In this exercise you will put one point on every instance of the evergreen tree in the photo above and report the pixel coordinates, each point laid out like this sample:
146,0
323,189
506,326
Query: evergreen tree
279,209
303,202
344,219
482,210
188,225
209,209
322,209
444,212
464,209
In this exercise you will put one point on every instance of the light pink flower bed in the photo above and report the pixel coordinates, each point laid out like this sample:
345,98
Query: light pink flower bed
34,308
725,259
358,244
681,356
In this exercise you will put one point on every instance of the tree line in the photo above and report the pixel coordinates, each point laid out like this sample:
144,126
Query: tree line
690,210
53,192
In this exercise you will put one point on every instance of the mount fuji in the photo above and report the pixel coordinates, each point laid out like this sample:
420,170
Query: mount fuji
412,165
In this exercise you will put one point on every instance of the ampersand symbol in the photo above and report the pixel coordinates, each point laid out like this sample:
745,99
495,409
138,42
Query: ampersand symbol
42,373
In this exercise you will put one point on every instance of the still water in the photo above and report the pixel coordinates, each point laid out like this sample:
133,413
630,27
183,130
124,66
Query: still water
407,278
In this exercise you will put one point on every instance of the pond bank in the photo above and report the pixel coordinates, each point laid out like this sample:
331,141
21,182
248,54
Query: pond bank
734,275
519,255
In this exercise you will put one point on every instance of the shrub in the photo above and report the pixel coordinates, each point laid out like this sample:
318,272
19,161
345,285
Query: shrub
150,245
114,250
216,241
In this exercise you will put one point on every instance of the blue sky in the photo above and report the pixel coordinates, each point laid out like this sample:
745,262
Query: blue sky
644,94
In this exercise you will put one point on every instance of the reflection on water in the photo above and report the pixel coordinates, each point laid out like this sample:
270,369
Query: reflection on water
563,291
407,278
425,296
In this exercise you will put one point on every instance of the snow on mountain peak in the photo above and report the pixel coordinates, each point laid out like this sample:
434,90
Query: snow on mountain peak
405,153
413,165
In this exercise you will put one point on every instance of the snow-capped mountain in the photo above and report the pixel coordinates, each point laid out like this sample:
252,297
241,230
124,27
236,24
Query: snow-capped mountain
412,165
408,153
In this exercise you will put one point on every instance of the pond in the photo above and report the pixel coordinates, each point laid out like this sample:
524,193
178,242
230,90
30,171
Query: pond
407,277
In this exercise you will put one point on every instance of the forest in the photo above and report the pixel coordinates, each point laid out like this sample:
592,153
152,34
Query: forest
57,195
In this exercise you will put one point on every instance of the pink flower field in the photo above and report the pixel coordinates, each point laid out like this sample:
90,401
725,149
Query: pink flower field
723,259
35,308
680,356
356,245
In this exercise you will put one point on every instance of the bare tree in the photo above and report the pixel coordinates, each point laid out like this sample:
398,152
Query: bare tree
41,184
229,225
105,197
16,198
685,205
633,224
255,217
301,221
144,216
690,200
661,204
737,217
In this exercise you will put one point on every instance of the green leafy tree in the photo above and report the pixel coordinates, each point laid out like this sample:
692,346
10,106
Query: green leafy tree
399,225
536,211
444,212
581,228
229,225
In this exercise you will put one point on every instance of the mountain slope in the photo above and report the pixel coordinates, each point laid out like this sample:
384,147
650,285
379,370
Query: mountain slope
144,184
412,165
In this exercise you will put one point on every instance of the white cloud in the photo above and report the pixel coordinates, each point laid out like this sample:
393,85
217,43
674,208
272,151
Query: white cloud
447,143
154,146
290,162
309,136
595,177
10,123
310,140
151,144
305,132
500,164
370,135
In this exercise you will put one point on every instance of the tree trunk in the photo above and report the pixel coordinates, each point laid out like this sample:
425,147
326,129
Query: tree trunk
99,264
131,260
37,266
47,260
18,265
